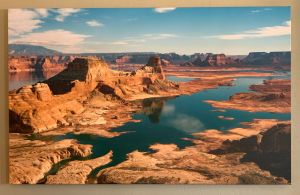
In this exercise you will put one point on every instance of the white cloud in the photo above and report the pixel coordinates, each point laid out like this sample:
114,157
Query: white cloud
271,31
130,19
255,11
51,38
159,36
64,12
42,12
260,10
94,23
164,9
120,43
143,38
22,21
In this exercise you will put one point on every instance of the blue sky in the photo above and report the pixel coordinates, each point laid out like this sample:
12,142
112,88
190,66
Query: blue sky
237,30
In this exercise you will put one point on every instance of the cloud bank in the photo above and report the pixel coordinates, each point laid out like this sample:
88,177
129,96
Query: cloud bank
65,12
164,10
94,23
50,38
22,21
271,31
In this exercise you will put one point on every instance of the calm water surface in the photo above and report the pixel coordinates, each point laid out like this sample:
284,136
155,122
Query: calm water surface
179,79
20,79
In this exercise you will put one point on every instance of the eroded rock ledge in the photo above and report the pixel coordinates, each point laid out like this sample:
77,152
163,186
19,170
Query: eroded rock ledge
29,161
76,172
271,96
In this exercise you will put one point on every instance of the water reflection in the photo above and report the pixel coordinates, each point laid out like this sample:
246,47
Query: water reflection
20,79
157,108
153,109
189,124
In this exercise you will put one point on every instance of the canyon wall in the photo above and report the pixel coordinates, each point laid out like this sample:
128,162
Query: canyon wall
272,58
38,63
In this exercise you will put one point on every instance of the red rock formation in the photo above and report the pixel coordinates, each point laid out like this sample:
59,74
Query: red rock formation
21,63
272,58
48,105
212,60
123,59
38,63
156,65
165,62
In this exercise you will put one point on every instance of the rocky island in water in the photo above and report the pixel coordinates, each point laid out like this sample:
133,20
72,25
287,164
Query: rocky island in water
91,123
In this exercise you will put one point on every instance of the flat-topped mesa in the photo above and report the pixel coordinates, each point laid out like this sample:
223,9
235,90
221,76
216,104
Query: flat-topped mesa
82,75
269,59
215,60
211,60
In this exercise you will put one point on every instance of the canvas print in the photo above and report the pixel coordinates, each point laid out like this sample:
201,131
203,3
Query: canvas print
198,95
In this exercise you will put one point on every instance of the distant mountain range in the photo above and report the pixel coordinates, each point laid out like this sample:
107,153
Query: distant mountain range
31,50
29,57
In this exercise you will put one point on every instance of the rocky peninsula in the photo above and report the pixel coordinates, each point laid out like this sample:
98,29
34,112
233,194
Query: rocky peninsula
271,96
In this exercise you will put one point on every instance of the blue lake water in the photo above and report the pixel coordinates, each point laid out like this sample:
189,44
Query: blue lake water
20,79
179,79
172,119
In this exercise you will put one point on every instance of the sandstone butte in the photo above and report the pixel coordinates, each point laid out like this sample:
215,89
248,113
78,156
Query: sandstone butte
47,105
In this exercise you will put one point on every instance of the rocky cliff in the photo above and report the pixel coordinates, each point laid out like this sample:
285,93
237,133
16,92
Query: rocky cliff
252,59
38,63
48,105
272,58
270,149
211,60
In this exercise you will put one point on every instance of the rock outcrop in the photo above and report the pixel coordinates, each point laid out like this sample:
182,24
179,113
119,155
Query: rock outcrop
123,59
213,60
271,96
77,172
35,109
156,64
48,105
270,149
30,161
38,63
269,59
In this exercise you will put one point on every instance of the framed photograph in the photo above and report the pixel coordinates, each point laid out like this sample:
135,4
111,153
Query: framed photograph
158,95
